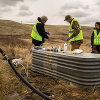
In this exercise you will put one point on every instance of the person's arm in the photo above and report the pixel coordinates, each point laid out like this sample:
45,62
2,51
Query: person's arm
76,28
41,30
92,38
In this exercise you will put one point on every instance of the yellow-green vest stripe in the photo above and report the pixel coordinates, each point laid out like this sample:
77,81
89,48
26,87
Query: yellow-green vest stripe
35,35
71,31
96,38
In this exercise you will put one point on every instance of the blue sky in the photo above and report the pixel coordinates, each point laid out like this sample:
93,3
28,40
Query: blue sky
87,12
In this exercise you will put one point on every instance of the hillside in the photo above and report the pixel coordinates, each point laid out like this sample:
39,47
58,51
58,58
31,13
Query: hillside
15,40
59,33
8,27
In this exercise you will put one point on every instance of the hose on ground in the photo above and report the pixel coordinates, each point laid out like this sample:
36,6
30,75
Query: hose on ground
23,79
26,82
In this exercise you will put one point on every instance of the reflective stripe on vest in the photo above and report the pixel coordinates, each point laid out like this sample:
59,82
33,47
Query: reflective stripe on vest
35,35
96,38
71,31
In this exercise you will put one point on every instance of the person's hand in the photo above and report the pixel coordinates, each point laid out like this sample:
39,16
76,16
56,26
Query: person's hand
68,38
91,46
48,37
48,33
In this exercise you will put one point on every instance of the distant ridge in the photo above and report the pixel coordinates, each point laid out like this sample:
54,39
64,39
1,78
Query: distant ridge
8,27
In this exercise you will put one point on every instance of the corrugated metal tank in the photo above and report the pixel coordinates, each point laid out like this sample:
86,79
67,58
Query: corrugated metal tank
82,69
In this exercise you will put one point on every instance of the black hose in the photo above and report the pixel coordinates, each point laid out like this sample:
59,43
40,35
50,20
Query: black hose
2,52
26,82
23,79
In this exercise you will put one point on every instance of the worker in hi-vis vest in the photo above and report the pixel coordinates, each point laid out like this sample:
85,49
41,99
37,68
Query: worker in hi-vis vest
75,33
38,32
95,39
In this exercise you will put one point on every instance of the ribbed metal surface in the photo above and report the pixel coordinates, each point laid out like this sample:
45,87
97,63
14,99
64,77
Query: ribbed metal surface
82,69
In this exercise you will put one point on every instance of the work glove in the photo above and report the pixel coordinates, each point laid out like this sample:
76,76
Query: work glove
48,37
91,46
68,38
48,33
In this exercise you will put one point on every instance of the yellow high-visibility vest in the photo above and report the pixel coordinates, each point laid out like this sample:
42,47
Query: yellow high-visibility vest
35,35
71,31
96,38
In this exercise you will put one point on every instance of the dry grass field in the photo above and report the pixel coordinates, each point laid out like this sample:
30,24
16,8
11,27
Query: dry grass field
15,40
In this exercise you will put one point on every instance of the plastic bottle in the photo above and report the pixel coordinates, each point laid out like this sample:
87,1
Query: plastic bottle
59,50
65,47
55,48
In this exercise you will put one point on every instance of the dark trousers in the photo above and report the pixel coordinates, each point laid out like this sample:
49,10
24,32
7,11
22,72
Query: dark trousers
96,49
36,43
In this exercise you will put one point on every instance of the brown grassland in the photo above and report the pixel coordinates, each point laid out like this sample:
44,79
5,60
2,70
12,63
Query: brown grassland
15,40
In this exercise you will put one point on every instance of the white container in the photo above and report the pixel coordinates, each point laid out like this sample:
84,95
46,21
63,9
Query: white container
59,50
65,47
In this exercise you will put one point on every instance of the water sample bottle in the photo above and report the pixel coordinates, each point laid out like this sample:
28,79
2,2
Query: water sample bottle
65,47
